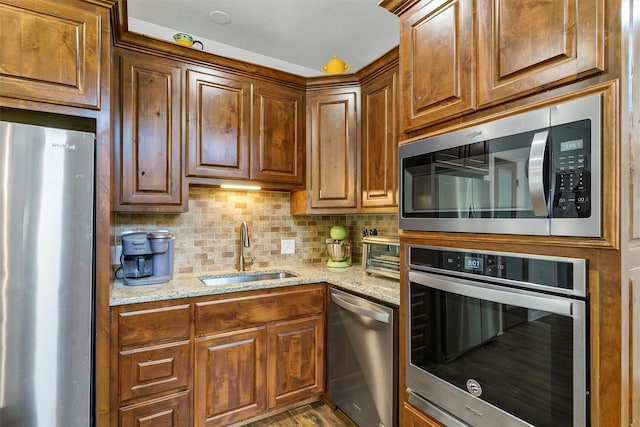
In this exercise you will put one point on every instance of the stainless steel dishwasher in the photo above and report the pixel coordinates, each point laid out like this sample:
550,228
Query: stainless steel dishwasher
362,361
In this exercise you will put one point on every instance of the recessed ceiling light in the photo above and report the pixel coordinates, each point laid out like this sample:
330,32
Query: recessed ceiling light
220,17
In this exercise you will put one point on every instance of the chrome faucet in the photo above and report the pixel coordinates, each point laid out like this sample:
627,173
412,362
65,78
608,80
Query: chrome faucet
244,243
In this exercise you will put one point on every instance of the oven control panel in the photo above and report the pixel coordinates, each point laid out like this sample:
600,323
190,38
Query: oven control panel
553,272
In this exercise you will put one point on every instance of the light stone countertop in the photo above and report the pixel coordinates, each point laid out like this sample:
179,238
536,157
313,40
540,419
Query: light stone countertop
189,285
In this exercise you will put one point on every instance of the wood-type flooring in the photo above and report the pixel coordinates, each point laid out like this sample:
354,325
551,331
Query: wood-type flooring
317,414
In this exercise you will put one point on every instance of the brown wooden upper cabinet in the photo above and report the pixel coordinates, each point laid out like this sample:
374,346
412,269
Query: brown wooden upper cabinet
218,128
50,52
277,148
522,47
148,154
332,147
437,78
226,144
379,159
526,46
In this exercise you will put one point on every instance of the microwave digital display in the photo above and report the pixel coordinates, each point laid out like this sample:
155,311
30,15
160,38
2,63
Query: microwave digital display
578,144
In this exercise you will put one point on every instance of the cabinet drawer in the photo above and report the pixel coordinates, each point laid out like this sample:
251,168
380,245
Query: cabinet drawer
172,411
152,326
251,311
152,370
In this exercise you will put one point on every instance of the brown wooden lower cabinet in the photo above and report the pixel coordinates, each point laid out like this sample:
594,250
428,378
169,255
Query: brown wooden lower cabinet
230,377
412,417
217,360
152,355
296,362
170,411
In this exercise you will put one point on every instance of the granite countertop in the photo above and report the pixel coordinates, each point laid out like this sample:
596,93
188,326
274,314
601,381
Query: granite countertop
352,279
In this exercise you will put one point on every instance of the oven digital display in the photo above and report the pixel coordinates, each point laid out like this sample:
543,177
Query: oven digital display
473,263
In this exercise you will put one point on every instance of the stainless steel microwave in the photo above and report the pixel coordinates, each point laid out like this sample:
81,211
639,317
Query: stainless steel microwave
536,172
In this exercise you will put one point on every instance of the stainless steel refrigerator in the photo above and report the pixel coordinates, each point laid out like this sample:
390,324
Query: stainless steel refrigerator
46,276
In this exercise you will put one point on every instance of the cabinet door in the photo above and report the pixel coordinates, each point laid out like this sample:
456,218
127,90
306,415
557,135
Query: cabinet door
530,45
50,52
230,377
219,117
296,360
171,411
149,153
379,166
332,142
277,149
414,418
437,76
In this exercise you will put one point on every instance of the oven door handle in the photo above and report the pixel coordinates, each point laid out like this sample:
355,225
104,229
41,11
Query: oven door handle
375,315
536,174
493,293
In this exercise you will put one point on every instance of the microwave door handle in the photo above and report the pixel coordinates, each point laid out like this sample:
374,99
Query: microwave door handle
375,315
536,174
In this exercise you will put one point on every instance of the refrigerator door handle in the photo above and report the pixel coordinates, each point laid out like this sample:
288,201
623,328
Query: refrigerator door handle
375,315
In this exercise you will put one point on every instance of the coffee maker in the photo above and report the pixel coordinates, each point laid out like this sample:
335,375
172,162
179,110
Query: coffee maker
338,248
147,257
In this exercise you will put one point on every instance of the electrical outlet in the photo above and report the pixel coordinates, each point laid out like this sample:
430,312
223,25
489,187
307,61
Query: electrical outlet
115,254
288,246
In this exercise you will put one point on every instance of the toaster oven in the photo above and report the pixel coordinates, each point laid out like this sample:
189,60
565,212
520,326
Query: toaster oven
381,255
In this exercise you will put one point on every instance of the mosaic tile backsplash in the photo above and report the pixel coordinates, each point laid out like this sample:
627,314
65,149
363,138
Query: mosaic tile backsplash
208,235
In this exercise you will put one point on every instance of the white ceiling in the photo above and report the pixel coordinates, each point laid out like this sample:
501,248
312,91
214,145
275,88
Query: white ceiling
298,36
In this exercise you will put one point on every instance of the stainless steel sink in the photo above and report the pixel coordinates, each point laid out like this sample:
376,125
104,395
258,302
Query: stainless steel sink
245,276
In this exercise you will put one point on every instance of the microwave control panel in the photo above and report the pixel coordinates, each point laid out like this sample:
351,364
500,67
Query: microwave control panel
571,167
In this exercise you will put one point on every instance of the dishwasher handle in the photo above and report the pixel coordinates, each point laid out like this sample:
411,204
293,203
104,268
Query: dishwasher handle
371,314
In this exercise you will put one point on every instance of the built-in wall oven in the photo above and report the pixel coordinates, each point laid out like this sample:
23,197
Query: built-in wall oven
497,339
537,172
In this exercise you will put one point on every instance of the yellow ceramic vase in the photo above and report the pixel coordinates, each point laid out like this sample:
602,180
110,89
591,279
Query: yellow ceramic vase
336,66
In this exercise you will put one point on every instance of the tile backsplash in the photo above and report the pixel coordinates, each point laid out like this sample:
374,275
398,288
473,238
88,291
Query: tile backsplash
208,235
